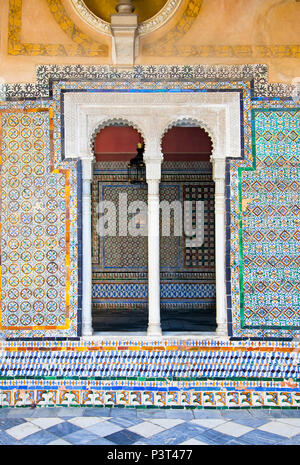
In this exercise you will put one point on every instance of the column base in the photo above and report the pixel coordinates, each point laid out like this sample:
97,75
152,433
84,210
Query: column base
154,330
87,331
221,329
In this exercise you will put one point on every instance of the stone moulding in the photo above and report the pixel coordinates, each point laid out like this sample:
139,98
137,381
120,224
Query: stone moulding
219,113
146,27
86,113
45,74
90,18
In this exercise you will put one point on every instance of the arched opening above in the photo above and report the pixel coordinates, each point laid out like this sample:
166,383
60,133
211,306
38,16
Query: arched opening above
153,112
187,261
119,259
186,143
116,143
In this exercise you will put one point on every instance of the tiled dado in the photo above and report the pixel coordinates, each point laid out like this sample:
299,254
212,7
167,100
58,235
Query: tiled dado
192,398
169,373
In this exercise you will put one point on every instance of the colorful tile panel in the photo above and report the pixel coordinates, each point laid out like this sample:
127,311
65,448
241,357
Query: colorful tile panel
36,224
168,373
270,226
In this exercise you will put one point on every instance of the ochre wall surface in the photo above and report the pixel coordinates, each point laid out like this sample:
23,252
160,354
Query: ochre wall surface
201,31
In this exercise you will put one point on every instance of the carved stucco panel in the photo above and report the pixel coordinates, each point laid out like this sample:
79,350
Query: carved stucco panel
218,113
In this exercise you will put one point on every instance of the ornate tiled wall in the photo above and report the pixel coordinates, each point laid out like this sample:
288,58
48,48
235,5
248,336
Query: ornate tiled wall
261,257
38,215
265,228
270,230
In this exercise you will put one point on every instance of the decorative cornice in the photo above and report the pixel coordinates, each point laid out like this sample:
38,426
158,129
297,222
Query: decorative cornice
90,18
166,13
45,74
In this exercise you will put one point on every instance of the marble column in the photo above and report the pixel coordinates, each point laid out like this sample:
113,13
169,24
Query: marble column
153,175
87,329
220,234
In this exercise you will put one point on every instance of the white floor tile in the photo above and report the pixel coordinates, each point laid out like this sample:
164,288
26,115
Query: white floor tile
166,422
46,422
59,442
290,421
193,442
104,428
85,422
209,423
233,429
22,431
146,429
280,428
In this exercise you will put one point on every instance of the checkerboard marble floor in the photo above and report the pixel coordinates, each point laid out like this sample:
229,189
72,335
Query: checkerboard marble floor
117,426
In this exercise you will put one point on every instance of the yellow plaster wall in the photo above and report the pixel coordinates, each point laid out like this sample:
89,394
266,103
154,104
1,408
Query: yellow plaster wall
202,31
234,32
36,12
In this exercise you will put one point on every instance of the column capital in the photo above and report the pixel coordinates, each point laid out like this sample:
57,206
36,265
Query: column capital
87,168
153,169
218,168
153,157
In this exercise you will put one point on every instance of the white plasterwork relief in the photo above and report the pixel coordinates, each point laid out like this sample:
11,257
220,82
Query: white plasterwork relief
151,114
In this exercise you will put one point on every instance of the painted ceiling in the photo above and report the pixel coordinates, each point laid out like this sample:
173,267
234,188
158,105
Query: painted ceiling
145,9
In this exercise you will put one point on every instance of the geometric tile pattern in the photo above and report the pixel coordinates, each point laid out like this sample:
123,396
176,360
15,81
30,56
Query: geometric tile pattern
45,74
140,291
119,252
35,239
204,255
115,426
187,374
243,73
203,72
242,87
269,236
188,290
